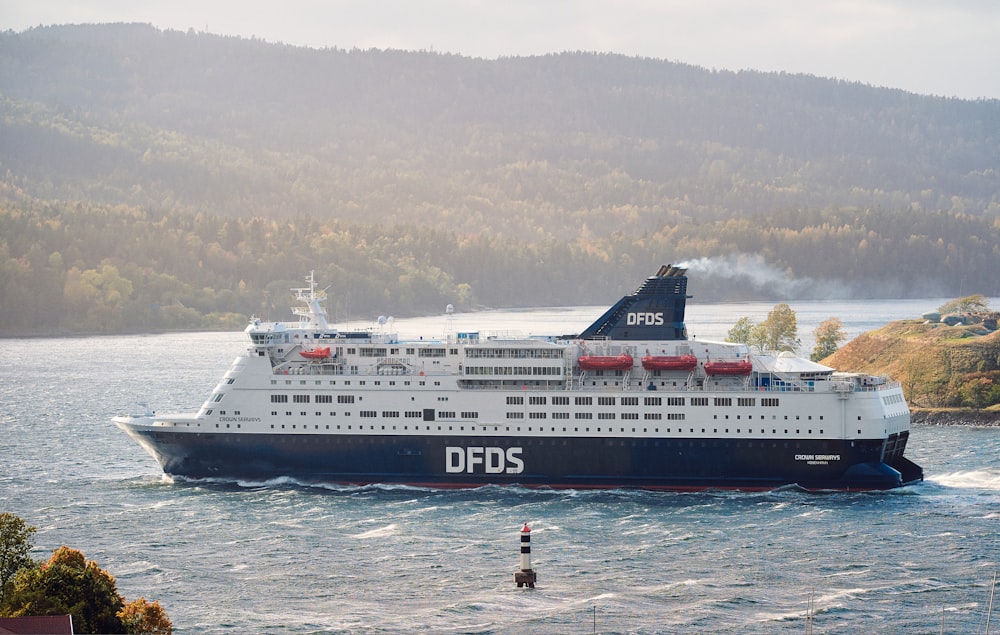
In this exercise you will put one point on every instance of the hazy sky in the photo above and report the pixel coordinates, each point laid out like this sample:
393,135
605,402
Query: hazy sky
935,47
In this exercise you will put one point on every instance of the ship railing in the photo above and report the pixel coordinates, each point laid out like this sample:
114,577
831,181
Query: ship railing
863,383
491,384
839,385
398,361
727,387
309,369
391,366
654,388
886,385
490,335
783,386
791,383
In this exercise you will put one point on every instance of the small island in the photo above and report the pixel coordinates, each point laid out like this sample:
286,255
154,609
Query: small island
947,362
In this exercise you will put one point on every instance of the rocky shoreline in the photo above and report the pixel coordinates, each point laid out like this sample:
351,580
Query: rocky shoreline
984,418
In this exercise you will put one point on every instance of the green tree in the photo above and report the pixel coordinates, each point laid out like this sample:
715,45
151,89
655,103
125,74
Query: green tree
829,334
742,332
978,392
968,304
779,332
15,549
776,333
68,584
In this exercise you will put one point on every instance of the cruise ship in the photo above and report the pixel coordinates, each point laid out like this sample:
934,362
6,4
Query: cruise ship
629,402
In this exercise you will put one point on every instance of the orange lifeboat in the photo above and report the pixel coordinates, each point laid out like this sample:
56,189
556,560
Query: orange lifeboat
316,353
669,362
605,362
729,367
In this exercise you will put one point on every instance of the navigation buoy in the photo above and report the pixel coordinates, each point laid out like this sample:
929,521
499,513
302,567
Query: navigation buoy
526,576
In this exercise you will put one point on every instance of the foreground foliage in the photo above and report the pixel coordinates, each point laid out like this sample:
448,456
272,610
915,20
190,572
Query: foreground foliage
69,584
15,549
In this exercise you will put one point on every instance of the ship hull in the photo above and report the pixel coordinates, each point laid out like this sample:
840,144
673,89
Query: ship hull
557,462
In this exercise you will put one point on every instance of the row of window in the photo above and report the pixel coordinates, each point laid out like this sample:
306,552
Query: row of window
376,351
466,414
514,370
417,414
394,414
649,416
283,398
513,353
496,428
742,402
347,382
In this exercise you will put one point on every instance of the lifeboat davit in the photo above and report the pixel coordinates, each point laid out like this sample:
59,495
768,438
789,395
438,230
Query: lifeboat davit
605,362
669,362
316,353
729,367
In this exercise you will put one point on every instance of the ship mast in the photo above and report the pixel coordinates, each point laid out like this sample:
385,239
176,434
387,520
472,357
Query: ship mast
313,314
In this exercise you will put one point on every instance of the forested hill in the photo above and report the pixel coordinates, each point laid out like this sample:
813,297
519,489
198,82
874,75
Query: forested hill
175,121
142,170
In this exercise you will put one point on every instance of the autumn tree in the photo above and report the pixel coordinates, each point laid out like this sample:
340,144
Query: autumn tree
779,332
148,618
829,334
15,549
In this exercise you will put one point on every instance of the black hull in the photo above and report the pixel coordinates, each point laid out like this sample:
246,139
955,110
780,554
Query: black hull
571,462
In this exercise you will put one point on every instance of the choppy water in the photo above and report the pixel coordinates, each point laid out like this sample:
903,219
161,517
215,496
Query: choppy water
283,558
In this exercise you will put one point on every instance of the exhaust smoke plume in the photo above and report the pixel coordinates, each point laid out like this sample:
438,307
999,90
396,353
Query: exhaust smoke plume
770,280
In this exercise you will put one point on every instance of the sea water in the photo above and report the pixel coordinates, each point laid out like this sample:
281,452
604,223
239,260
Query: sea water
280,557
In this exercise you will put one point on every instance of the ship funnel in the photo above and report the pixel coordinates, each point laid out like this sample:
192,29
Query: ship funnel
654,311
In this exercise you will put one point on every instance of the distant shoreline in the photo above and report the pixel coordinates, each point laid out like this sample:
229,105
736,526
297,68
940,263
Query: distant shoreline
958,417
